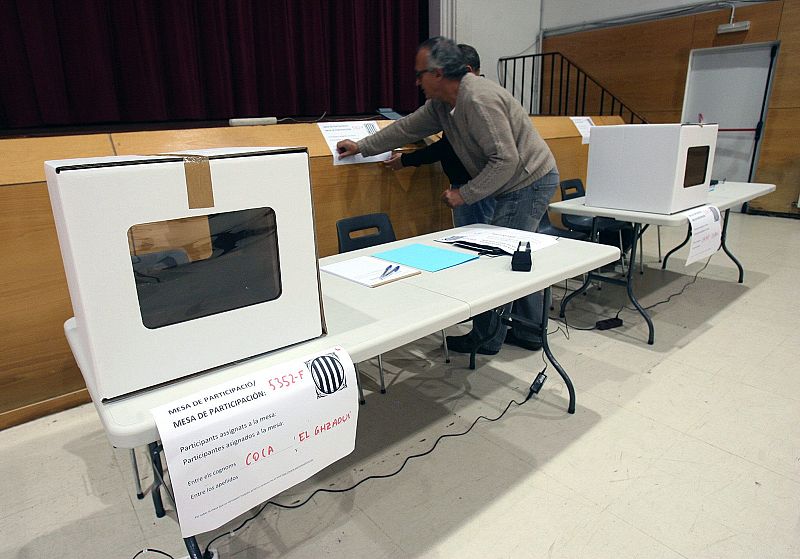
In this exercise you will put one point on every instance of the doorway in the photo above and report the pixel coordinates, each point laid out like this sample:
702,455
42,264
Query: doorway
730,86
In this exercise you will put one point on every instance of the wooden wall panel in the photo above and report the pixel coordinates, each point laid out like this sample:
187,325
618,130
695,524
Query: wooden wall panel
23,158
168,141
786,89
779,163
764,21
644,65
36,364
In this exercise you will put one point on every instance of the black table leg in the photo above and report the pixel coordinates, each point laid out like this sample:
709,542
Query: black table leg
725,246
551,357
194,549
158,475
637,238
686,240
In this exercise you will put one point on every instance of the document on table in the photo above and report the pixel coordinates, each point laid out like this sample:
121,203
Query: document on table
231,447
706,227
426,257
352,130
584,125
369,271
504,238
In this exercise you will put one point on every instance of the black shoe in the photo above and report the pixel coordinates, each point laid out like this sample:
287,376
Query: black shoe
512,339
465,343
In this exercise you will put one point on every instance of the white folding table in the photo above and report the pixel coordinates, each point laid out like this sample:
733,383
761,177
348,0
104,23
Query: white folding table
366,322
724,196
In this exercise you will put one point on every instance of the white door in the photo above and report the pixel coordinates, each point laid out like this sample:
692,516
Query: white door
730,86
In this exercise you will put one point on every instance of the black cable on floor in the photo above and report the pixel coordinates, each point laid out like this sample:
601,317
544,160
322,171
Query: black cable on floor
149,550
376,476
668,299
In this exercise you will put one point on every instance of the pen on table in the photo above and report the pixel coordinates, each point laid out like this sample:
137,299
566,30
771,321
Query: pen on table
390,272
386,272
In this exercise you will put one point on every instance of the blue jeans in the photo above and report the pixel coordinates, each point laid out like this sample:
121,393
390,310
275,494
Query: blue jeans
469,214
521,209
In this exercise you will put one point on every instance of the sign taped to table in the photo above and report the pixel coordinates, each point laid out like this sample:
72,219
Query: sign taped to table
236,445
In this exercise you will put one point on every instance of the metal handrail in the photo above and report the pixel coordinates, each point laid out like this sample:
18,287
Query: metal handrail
557,86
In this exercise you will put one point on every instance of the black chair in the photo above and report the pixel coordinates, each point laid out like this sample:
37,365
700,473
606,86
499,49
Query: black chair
360,223
573,188
345,228
547,228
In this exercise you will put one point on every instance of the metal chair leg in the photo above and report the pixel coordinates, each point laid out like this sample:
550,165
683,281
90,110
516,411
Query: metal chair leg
621,251
380,372
658,231
444,345
361,399
136,479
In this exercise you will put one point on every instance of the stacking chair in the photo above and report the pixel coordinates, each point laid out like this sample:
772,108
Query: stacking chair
547,228
380,222
573,188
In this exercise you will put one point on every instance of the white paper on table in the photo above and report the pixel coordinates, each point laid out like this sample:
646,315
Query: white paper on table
504,238
369,271
231,447
583,124
335,132
706,227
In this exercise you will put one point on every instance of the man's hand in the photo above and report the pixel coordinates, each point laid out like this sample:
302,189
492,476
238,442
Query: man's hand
452,197
346,148
395,162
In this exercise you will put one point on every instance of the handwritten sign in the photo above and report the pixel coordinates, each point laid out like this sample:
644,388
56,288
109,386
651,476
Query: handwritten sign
234,446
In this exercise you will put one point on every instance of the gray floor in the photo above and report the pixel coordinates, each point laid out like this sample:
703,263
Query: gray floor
688,448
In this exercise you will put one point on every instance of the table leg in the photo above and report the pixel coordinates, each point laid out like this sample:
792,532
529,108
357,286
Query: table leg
637,237
551,357
158,474
194,549
686,240
725,247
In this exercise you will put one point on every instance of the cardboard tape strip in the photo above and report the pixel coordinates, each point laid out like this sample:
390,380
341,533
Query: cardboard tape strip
197,171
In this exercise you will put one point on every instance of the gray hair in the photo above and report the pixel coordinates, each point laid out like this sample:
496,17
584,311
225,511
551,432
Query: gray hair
471,57
446,56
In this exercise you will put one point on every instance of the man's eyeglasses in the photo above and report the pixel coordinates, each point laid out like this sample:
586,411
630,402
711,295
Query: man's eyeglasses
419,73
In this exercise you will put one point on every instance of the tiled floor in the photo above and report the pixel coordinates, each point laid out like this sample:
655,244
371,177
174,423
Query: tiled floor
688,448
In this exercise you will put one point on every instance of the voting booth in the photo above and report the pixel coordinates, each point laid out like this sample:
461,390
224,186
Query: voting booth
180,263
656,168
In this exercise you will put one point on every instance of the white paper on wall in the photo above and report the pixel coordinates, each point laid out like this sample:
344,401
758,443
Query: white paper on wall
706,224
584,125
355,130
236,445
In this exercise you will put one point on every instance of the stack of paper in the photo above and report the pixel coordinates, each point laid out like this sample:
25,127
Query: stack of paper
369,271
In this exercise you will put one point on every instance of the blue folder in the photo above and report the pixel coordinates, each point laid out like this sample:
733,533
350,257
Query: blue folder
425,257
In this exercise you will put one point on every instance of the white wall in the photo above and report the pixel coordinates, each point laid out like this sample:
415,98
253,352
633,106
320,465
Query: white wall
495,29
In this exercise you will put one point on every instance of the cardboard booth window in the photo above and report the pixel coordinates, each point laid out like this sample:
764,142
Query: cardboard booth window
193,267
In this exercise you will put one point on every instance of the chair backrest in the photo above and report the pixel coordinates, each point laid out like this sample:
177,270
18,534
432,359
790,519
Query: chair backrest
572,188
349,225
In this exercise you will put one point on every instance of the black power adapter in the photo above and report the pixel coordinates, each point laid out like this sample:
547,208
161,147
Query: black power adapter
608,323
521,259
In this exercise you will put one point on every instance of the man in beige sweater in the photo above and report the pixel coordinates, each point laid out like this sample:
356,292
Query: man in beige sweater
498,145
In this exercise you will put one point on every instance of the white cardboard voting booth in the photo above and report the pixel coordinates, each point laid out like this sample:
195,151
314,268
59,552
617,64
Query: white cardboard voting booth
181,263
656,168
